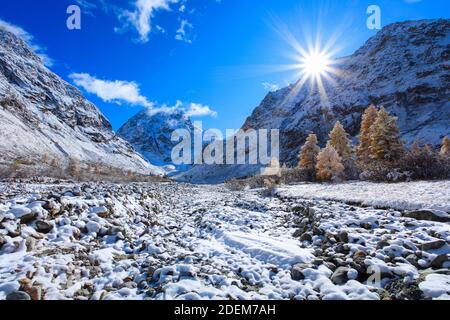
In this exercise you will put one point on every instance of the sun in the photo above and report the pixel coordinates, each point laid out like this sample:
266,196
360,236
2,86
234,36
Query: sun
315,65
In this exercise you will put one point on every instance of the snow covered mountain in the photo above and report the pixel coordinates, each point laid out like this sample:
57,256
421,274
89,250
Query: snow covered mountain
150,132
42,116
405,67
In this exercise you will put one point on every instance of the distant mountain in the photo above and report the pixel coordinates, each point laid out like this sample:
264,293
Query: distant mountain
150,133
42,116
405,67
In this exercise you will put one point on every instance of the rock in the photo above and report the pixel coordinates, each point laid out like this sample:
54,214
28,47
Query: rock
306,237
439,261
412,259
18,295
318,231
343,236
52,207
297,233
382,243
340,276
432,245
102,212
401,290
429,215
92,227
43,226
297,271
2,241
28,218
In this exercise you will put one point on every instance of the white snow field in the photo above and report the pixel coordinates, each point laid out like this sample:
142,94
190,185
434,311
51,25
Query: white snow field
401,196
176,241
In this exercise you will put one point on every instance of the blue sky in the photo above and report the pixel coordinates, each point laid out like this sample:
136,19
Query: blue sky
216,59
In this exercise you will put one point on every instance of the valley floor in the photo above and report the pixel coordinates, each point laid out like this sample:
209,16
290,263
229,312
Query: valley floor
177,241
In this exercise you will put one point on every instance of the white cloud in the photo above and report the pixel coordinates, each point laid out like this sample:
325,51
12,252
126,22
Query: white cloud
87,7
143,13
181,34
190,110
270,86
200,110
115,91
29,39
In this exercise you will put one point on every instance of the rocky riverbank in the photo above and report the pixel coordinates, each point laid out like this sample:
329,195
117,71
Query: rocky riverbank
175,241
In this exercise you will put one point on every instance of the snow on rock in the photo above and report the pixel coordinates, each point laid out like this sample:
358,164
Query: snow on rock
401,196
177,241
281,253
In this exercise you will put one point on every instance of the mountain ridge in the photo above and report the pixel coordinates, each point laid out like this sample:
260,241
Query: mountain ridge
404,67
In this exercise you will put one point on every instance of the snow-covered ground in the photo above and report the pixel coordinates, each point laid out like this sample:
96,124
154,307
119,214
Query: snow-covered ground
176,241
401,196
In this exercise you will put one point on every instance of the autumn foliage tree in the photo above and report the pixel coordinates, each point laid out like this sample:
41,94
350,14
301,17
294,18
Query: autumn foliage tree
368,119
340,142
308,156
329,165
385,144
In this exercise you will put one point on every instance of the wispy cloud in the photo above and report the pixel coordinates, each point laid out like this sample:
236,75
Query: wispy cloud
182,32
270,86
29,39
189,110
87,7
115,91
142,15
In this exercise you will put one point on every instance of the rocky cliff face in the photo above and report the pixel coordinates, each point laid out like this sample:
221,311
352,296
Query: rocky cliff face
43,116
405,67
150,133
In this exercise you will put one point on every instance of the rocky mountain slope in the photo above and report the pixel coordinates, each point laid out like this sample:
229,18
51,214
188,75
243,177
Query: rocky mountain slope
44,117
150,134
404,67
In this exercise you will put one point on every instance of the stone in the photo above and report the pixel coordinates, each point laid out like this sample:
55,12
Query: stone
28,218
433,245
2,241
43,226
343,236
429,215
92,227
306,237
297,271
18,295
340,276
439,261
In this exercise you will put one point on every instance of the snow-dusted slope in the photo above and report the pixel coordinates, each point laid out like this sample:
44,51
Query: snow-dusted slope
150,133
405,67
43,116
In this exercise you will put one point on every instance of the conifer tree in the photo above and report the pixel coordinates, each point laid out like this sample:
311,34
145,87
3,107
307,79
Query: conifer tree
309,152
368,119
329,165
385,144
445,149
340,142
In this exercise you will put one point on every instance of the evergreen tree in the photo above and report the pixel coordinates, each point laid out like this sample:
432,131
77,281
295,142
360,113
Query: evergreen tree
329,165
445,149
368,119
340,142
385,144
309,152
